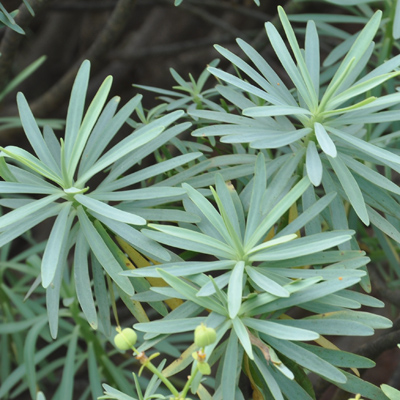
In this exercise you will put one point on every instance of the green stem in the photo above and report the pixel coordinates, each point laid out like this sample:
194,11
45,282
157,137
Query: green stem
189,382
165,380
149,365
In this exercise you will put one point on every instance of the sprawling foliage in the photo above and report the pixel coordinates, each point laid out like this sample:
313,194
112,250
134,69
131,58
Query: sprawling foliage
257,243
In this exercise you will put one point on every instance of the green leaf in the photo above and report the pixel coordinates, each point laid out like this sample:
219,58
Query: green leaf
372,320
313,164
253,74
27,210
358,48
305,245
34,135
243,335
85,129
314,292
31,162
114,393
124,147
76,107
275,329
183,268
396,32
189,240
273,386
106,128
330,327
299,388
359,88
312,56
267,284
103,302
273,111
152,171
170,325
259,186
326,143
306,359
273,242
288,64
370,175
209,212
231,208
5,172
94,375
16,187
82,280
109,211
53,290
301,64
339,358
229,368
103,254
29,222
357,385
235,289
53,249
273,141
350,187
67,380
266,223
308,215
135,238
383,224
191,293
247,87
389,391
280,91
29,354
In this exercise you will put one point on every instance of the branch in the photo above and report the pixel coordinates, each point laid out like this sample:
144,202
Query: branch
169,49
109,4
11,40
55,96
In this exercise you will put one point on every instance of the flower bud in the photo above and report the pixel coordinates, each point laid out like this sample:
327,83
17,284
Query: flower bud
125,339
204,336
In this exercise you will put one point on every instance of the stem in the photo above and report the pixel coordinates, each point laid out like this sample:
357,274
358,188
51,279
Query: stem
149,365
189,382
165,380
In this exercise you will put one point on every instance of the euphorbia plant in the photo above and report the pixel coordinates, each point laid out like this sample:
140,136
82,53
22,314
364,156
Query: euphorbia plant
253,246
60,172
260,280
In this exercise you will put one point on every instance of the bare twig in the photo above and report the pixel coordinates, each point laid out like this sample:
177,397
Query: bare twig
110,4
83,6
170,48
211,19
54,97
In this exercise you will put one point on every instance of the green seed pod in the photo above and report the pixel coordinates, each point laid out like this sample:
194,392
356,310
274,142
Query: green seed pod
204,336
125,339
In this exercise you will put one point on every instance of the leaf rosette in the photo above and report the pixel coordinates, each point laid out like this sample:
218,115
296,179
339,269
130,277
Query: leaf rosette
58,173
325,119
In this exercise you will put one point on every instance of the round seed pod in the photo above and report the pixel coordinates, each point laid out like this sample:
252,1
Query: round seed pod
125,339
204,336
